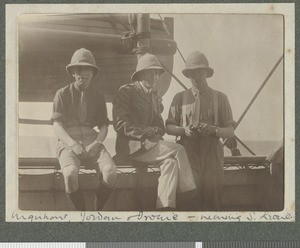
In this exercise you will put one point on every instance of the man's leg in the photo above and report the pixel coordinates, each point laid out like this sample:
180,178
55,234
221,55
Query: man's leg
167,184
186,179
107,178
176,174
193,153
70,165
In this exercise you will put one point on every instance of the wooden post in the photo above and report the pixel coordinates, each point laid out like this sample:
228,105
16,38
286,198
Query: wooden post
143,34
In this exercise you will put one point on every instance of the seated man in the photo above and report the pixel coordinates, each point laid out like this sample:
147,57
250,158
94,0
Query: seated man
200,116
140,127
77,109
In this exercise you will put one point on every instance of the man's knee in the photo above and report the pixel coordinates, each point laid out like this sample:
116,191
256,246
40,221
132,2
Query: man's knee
109,173
171,160
170,163
179,148
70,174
175,146
180,151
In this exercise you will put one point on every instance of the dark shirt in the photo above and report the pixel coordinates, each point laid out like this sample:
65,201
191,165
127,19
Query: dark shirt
66,106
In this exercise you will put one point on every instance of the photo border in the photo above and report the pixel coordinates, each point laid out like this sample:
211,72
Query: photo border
146,231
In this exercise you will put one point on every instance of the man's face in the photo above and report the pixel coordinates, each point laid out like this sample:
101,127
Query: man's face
198,77
149,77
83,76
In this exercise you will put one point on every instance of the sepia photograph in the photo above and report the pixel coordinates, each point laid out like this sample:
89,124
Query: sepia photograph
152,115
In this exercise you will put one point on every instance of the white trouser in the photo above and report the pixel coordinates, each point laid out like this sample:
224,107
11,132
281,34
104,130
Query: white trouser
175,171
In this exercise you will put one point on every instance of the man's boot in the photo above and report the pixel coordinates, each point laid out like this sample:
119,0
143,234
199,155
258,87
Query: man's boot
77,199
188,201
102,195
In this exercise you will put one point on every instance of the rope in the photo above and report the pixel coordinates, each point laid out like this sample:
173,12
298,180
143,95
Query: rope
176,78
256,95
166,28
259,90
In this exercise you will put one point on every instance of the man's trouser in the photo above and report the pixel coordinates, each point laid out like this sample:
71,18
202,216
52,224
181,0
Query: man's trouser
175,171
70,164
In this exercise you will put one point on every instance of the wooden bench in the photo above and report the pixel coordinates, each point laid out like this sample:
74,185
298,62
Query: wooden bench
138,182
144,175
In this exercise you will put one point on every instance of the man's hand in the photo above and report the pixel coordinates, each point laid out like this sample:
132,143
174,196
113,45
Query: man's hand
190,132
149,132
159,131
148,144
206,129
78,149
93,149
231,143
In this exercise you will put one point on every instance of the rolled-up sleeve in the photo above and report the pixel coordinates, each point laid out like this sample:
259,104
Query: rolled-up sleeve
225,112
175,111
58,112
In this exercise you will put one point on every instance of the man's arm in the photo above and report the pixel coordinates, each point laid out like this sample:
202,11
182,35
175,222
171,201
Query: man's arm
58,118
220,132
62,135
94,147
172,129
102,133
226,123
225,132
121,115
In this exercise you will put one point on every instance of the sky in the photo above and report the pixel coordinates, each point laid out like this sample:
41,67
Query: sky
242,50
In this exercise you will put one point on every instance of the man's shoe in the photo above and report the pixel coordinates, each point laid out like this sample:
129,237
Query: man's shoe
77,199
188,201
102,195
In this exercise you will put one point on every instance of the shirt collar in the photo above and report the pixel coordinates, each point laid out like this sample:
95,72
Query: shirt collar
81,91
146,90
196,92
76,86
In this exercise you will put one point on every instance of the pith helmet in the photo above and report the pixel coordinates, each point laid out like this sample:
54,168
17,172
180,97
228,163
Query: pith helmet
194,61
147,62
82,57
